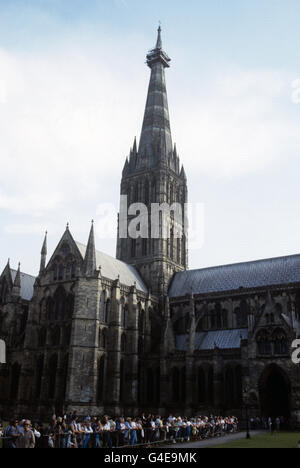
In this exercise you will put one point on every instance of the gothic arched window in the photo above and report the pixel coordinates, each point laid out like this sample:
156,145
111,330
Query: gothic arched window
39,376
124,315
133,248
225,318
104,339
200,325
280,342
229,387
52,376
55,336
50,309
107,310
102,307
100,385
172,243
61,271
67,336
69,306
210,385
145,247
153,191
123,343
60,303
242,315
263,343
150,386
42,337
146,189
183,251
136,192
171,194
175,385
218,313
178,251
140,346
122,381
73,270
65,377
55,272
15,380
68,271
238,386
141,321
183,385
201,386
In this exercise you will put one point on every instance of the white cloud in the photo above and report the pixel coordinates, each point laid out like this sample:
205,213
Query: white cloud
28,229
69,117
238,123
64,129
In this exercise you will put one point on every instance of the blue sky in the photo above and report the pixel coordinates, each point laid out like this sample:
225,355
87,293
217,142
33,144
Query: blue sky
73,87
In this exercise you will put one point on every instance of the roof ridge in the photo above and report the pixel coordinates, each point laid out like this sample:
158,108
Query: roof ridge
241,263
109,256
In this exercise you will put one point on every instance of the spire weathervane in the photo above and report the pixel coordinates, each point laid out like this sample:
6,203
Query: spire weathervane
159,41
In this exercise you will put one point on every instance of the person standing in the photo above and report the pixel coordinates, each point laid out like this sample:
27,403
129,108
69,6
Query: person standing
270,425
26,439
11,434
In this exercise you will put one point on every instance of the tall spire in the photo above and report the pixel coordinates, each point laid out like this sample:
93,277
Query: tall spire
156,139
43,255
89,265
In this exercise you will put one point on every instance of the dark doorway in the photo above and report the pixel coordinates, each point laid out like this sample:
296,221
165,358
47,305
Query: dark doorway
274,392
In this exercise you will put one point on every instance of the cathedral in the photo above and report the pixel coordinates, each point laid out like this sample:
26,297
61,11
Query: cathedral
142,332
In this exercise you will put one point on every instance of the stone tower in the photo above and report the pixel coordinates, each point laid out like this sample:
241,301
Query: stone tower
153,176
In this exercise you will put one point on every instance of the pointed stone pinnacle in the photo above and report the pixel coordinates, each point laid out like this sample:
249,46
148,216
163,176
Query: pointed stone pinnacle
89,266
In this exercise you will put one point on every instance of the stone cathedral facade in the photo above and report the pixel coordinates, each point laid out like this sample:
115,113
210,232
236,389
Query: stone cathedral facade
141,332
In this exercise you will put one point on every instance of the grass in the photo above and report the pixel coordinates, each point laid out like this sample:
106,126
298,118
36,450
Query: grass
285,440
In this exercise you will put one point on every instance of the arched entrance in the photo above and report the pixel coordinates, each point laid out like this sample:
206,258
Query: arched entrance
274,390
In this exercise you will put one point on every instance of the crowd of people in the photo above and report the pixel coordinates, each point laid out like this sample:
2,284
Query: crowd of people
105,432
269,424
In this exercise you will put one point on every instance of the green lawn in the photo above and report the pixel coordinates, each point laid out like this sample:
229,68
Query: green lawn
266,440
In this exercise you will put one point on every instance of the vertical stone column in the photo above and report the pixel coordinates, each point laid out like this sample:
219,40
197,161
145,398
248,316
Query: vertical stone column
189,357
83,365
27,376
218,379
167,345
147,331
114,348
231,316
132,344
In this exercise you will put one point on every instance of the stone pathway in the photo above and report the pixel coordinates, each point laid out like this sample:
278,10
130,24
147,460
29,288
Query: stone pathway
212,442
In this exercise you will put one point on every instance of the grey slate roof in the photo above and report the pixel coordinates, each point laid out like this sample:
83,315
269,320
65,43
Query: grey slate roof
224,339
111,268
270,272
27,283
